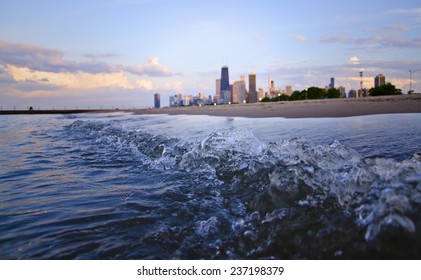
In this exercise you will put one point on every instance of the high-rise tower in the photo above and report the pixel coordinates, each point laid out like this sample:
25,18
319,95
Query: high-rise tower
225,85
157,100
332,83
252,98
288,90
379,80
218,90
272,88
239,92
225,81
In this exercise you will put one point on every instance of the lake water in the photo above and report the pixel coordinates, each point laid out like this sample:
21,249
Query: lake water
122,186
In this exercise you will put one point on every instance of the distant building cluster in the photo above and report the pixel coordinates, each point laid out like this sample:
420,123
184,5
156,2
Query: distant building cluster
379,81
239,93
190,100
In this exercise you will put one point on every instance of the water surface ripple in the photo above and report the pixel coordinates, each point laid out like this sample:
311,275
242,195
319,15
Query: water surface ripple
118,186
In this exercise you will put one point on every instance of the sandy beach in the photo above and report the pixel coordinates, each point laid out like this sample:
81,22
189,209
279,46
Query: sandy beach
327,108
304,109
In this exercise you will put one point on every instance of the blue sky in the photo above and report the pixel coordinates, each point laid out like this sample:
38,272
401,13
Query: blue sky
119,53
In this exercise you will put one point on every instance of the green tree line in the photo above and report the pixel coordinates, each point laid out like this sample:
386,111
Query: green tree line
320,93
386,89
310,93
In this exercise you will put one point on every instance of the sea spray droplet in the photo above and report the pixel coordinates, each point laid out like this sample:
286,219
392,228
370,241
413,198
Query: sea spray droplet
390,225
237,226
207,227
250,235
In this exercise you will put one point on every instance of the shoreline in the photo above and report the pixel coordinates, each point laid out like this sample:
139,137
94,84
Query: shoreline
56,112
326,108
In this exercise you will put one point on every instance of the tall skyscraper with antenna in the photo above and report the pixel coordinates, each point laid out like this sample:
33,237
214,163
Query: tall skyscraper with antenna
225,85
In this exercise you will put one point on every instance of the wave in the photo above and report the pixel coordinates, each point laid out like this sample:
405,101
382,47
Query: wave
245,198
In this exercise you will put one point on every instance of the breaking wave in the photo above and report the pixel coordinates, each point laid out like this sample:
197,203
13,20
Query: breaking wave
230,195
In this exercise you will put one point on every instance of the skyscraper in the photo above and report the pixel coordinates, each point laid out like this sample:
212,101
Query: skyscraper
332,83
225,82
342,91
379,80
173,101
272,88
288,90
157,99
218,90
252,98
261,93
225,85
352,93
239,92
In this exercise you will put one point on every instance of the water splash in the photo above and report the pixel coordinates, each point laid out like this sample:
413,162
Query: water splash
243,195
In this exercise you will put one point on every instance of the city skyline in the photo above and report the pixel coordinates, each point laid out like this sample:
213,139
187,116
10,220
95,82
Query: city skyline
121,53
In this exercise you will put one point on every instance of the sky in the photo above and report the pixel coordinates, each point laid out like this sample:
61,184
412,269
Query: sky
118,53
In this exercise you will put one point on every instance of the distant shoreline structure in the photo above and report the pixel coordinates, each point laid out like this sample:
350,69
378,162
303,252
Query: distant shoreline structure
327,108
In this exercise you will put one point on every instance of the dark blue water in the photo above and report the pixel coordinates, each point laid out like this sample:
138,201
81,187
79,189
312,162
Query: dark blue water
119,186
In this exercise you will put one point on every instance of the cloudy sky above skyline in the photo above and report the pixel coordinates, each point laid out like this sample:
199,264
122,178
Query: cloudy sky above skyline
120,52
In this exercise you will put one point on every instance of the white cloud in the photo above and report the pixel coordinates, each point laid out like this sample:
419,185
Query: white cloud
176,86
144,84
52,60
103,55
374,41
150,68
32,69
402,83
28,77
298,37
80,80
407,12
354,60
400,27
49,60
